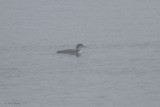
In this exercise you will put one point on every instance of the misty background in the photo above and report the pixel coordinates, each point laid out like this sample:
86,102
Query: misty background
119,68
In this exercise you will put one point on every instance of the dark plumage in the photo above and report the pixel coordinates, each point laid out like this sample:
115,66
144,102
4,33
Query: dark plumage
72,51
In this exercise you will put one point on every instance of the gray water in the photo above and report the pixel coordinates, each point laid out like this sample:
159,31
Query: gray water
119,68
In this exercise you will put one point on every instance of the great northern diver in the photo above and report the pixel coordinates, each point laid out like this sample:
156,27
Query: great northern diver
76,51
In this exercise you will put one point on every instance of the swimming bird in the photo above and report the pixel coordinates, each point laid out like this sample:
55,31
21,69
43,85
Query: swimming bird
76,51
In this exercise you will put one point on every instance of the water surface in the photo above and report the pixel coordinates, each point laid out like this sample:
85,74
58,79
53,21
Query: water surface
119,67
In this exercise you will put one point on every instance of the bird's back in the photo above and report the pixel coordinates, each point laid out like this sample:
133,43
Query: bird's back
69,51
